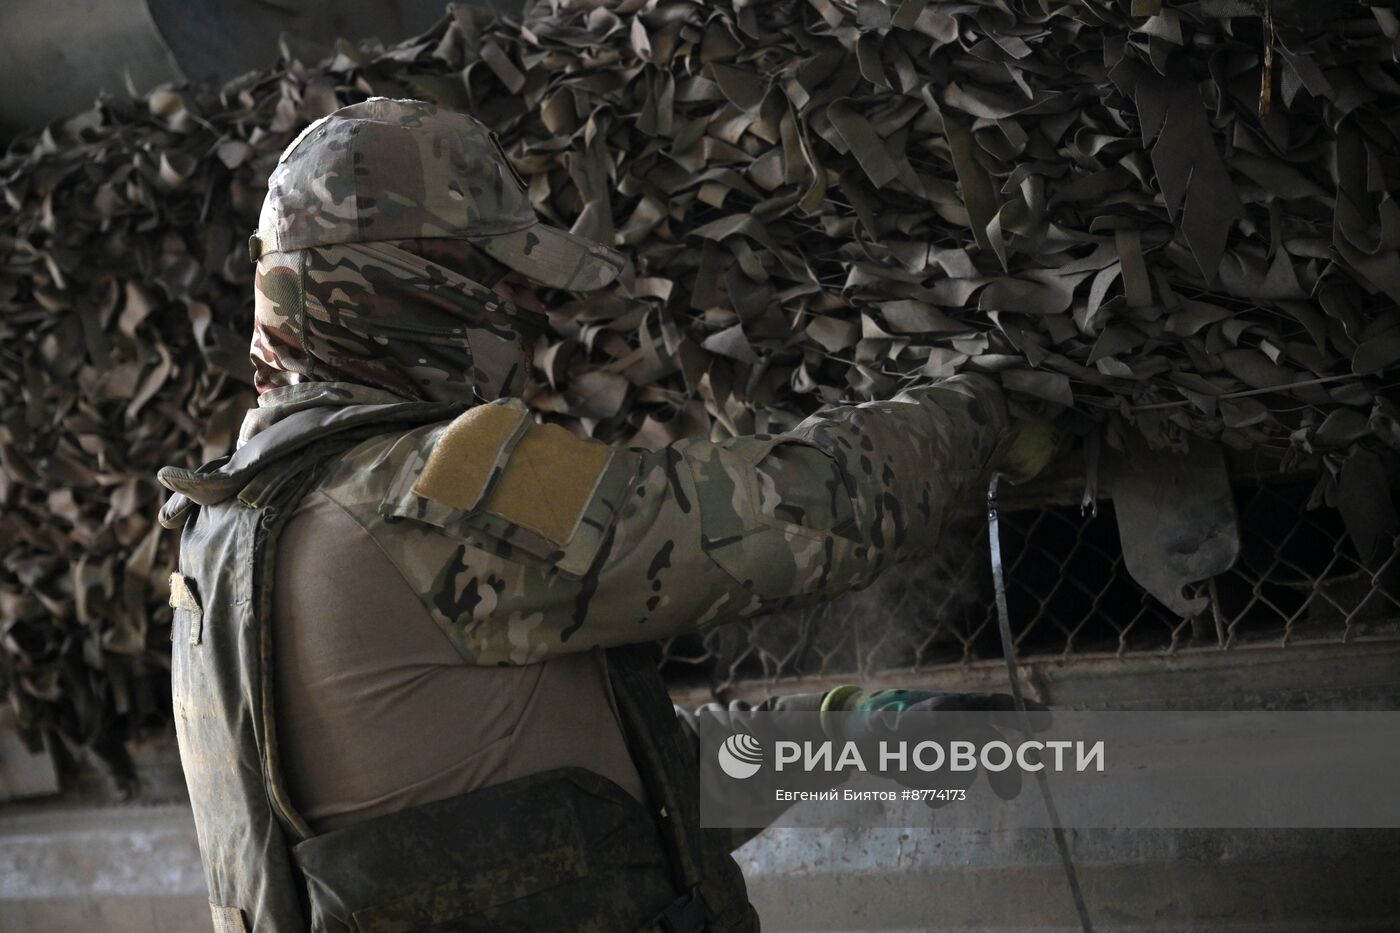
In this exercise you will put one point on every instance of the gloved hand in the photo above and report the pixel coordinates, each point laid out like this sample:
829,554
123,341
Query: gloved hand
1031,447
878,714
853,699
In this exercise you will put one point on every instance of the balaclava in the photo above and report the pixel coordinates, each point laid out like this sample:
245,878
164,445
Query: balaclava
385,228
388,316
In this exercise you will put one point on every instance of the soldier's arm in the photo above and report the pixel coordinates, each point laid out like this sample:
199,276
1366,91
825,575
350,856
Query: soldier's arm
718,531
526,542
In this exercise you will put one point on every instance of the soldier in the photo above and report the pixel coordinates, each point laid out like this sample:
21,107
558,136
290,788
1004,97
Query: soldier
413,674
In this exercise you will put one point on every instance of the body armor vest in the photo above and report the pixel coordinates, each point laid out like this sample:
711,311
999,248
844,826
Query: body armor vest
560,850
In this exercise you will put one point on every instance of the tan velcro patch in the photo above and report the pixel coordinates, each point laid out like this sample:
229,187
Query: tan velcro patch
182,594
182,597
548,480
227,919
469,454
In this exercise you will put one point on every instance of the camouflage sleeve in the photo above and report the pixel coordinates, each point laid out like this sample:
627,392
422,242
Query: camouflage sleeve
479,517
719,531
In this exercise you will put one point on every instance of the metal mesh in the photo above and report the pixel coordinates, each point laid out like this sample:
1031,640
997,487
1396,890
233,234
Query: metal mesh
1298,580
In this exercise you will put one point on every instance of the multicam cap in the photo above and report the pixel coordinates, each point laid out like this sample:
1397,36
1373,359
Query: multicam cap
403,170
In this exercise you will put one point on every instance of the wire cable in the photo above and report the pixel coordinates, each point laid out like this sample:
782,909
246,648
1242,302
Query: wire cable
1008,651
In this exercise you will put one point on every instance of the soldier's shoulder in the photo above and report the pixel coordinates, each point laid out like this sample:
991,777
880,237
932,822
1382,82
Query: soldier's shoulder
446,466
370,469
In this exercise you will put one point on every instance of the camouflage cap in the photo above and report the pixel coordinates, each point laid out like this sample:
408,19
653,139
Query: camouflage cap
404,169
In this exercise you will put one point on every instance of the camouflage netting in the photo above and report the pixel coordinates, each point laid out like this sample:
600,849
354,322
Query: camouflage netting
823,200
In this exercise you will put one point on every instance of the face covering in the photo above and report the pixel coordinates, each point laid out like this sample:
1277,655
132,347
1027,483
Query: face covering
403,317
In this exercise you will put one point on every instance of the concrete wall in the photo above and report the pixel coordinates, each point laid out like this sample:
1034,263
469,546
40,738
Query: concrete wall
136,868
1148,880
117,868
71,864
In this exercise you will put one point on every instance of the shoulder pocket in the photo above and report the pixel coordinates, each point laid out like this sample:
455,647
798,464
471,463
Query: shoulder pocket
495,477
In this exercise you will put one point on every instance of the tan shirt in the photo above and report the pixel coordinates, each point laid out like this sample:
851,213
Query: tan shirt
377,712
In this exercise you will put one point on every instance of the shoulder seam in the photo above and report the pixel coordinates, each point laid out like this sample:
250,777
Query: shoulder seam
427,610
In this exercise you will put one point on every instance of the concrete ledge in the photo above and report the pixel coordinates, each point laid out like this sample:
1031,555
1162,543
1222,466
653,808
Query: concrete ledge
1356,675
120,851
1167,881
136,868
108,915
69,864
122,869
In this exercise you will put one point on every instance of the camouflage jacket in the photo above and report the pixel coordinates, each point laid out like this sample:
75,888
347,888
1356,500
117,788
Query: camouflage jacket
526,542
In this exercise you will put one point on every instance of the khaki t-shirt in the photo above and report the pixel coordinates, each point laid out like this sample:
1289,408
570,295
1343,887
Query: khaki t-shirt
376,711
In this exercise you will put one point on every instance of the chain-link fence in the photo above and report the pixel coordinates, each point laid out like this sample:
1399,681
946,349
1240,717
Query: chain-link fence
1298,580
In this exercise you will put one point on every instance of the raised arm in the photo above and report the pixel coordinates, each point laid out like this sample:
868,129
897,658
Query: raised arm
718,531
526,542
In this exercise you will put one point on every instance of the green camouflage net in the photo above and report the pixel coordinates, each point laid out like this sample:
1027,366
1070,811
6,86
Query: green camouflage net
1173,218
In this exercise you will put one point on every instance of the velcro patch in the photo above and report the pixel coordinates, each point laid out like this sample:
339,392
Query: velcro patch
469,455
182,594
182,597
227,919
548,480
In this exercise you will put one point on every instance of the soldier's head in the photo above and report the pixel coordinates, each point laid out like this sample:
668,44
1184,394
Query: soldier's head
395,249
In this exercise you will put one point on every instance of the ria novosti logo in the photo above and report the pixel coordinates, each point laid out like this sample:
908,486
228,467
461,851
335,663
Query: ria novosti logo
740,756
